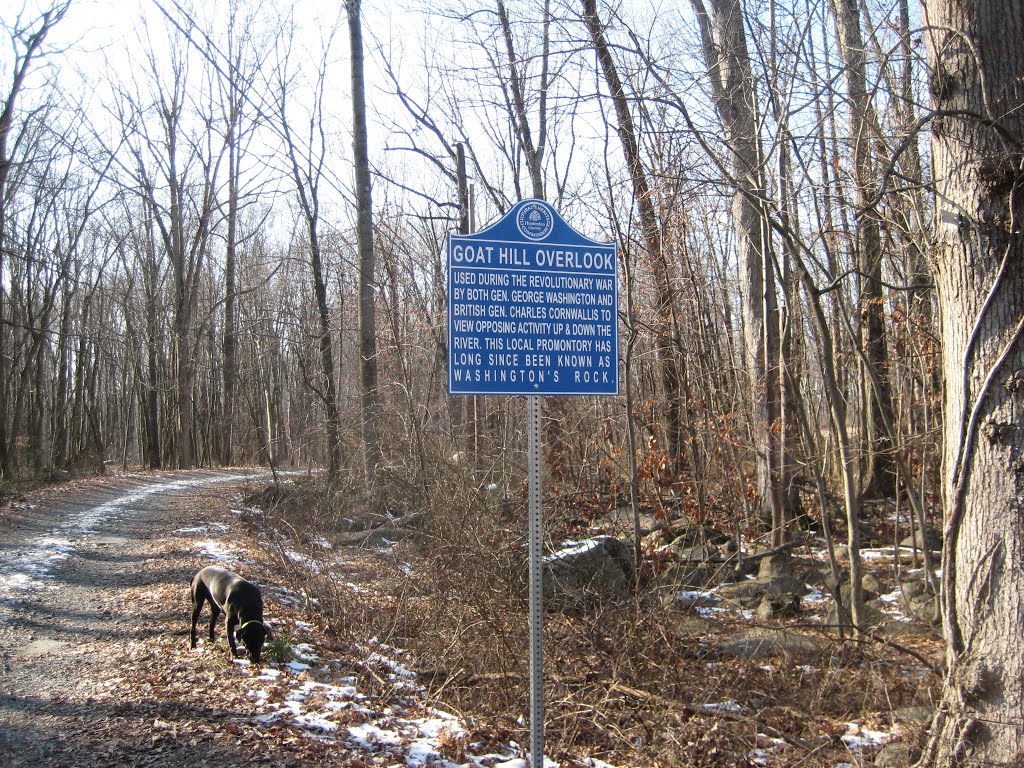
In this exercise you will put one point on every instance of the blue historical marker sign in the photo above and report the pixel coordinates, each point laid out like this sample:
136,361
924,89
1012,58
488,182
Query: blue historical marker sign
532,308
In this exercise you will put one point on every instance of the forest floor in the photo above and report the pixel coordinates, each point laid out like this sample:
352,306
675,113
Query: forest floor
95,663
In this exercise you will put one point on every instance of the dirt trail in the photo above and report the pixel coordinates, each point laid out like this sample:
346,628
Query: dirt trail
94,664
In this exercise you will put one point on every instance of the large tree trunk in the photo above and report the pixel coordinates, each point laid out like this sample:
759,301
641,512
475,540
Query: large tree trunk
976,56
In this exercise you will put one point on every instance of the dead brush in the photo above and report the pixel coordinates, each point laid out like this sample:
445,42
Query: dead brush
637,681
471,566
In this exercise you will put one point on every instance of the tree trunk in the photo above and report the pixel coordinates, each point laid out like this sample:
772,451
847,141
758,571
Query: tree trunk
879,473
732,85
230,348
367,260
664,343
976,56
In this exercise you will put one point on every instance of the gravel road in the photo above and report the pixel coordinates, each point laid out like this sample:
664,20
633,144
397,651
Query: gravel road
92,581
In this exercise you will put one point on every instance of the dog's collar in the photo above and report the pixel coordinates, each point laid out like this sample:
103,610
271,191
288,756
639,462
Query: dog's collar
253,621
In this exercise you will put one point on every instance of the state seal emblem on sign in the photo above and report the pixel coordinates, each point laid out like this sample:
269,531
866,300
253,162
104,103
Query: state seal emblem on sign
534,221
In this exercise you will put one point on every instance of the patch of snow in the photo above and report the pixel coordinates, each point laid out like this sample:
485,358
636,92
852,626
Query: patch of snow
708,611
571,548
215,550
87,520
726,706
285,693
305,652
203,528
519,762
859,737
698,597
814,596
30,566
768,744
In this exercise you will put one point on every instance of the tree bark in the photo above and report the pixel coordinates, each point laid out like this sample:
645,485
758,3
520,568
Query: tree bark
976,56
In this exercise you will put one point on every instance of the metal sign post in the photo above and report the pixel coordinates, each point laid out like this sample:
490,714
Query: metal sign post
536,583
532,311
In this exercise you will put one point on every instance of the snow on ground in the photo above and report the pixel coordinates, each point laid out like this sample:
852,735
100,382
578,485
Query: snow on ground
30,566
407,730
859,737
215,550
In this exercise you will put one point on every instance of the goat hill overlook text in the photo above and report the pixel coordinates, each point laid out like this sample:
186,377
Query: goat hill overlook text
526,257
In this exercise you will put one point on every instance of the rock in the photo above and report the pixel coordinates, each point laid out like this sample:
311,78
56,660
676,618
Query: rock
688,575
897,755
775,582
690,600
697,554
871,586
920,715
762,643
923,607
694,534
583,570
747,593
931,539
379,538
776,566
750,593
691,624
870,616
620,520
778,607
913,588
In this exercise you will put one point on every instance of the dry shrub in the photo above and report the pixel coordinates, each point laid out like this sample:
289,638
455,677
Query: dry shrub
633,682
470,557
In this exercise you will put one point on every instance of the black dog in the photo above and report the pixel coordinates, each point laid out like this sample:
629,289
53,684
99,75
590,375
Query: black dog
240,599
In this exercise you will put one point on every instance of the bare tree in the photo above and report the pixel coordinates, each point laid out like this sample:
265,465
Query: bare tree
879,473
364,245
306,166
732,88
27,36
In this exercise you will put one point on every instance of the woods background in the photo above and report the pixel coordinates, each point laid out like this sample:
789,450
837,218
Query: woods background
181,279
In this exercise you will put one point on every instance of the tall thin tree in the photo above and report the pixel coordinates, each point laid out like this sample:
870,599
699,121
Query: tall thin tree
370,396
